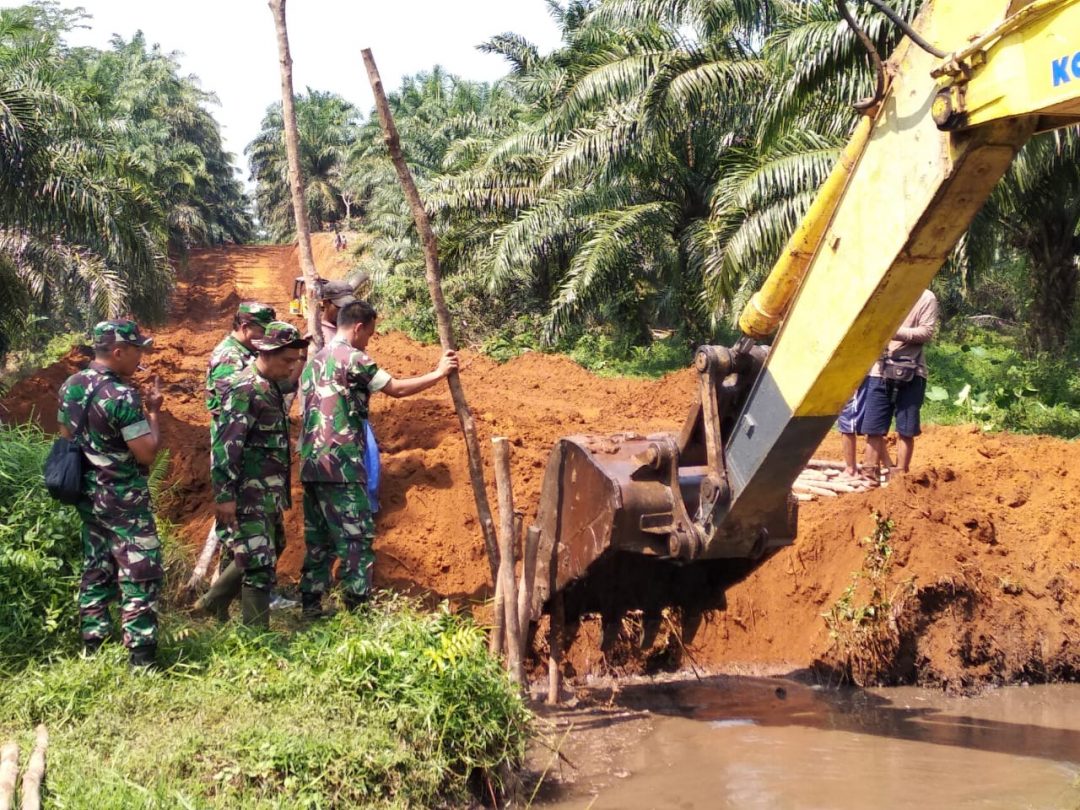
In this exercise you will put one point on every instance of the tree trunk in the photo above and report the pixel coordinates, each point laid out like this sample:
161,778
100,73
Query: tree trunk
1054,303
296,180
442,315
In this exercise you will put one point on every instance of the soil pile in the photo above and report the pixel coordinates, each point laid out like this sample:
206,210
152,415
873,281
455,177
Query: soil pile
982,546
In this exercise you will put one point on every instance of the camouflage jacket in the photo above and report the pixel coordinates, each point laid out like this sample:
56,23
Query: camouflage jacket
249,455
336,385
113,481
229,357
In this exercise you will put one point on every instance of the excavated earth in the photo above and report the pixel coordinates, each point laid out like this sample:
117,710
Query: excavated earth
983,585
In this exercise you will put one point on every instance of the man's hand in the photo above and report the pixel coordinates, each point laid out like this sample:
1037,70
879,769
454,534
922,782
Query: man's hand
154,398
226,515
447,363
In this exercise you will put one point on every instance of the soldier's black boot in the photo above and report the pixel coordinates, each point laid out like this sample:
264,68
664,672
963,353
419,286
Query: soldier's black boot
215,602
311,605
92,645
354,601
255,608
143,657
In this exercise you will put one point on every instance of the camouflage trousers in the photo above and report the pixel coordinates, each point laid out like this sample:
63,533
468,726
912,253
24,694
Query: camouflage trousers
337,524
254,547
121,561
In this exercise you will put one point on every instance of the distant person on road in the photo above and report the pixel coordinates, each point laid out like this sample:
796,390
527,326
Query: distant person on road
250,472
104,412
897,385
336,387
333,295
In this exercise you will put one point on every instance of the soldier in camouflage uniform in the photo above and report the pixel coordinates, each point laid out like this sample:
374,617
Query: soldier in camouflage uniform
336,385
232,355
121,549
235,352
250,473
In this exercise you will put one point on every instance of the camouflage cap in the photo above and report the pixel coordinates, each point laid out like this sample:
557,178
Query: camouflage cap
254,312
279,335
109,333
338,293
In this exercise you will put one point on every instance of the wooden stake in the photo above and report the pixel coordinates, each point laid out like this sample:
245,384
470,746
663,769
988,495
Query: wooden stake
35,771
514,663
498,620
555,642
442,315
9,772
296,179
525,587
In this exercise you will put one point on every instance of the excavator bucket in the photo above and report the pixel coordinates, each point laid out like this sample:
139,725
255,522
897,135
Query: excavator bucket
601,495
662,496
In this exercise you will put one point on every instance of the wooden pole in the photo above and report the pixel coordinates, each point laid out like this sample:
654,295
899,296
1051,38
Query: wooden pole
296,179
9,772
442,314
498,620
525,588
555,642
35,771
506,558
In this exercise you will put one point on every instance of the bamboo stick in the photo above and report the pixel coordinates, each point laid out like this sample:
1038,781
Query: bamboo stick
514,663
525,588
825,493
825,464
555,642
442,315
498,620
35,771
9,772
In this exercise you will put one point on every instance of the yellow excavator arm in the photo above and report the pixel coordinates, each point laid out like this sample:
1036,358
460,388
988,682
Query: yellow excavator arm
918,168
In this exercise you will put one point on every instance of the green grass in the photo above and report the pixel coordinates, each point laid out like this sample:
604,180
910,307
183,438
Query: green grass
391,707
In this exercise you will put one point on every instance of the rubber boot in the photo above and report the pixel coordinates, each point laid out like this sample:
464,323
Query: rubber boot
311,606
255,608
216,601
354,601
143,657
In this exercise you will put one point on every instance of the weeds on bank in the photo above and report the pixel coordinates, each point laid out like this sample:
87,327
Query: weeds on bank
391,707
863,621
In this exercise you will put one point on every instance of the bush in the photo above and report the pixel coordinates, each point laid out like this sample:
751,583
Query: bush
390,707
985,380
39,555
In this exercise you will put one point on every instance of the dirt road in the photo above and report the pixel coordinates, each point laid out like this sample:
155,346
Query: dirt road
984,577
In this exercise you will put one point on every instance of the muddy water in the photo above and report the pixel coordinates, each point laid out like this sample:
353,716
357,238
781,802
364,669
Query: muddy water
770,743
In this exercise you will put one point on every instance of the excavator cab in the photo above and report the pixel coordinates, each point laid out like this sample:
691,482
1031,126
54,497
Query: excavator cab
299,304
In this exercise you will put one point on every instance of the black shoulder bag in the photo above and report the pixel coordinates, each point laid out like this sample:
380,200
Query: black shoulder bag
64,464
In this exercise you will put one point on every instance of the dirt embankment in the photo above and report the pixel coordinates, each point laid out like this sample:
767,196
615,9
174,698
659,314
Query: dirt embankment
983,583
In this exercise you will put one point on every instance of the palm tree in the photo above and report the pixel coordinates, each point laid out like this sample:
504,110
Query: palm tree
327,126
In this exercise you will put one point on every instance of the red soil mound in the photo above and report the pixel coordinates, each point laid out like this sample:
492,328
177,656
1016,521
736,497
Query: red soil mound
984,529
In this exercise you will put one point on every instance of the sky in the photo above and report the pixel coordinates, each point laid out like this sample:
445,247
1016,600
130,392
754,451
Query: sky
231,45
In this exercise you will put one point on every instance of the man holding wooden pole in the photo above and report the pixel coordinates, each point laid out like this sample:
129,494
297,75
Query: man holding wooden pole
336,385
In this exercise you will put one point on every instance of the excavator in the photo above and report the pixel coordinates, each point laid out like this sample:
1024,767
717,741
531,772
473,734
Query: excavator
968,85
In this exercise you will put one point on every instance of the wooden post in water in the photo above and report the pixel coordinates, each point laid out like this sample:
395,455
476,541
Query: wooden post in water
514,663
442,314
